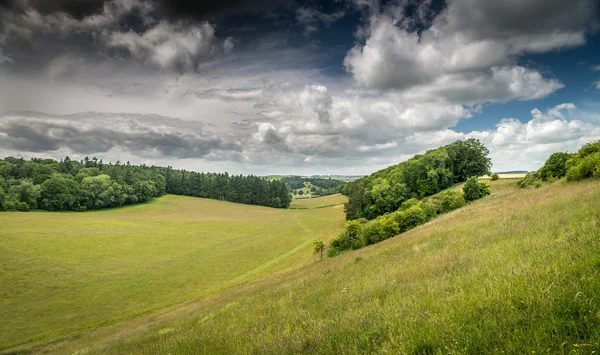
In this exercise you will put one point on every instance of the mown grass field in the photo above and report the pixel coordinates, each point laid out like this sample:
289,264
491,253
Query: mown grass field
64,275
319,202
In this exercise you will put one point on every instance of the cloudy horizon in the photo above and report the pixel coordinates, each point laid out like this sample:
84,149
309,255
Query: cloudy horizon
297,87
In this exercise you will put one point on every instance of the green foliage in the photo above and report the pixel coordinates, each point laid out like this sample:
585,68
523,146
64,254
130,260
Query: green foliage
494,177
320,186
431,208
555,167
410,218
410,203
350,237
421,176
451,201
585,164
532,178
318,248
474,189
382,228
60,193
91,184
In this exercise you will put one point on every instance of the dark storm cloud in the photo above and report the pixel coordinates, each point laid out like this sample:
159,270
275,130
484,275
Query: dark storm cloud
212,10
98,133
77,9
172,9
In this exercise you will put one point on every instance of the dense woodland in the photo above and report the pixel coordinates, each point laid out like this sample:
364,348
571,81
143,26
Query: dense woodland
423,175
321,186
69,185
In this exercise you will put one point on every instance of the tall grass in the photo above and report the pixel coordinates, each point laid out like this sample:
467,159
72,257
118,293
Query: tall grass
515,273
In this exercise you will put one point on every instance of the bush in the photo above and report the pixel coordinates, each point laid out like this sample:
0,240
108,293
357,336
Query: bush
555,167
350,237
530,179
494,177
452,200
410,218
472,189
382,228
431,209
409,203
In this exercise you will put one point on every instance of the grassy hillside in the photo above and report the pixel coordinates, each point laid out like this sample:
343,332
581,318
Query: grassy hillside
319,202
66,274
515,273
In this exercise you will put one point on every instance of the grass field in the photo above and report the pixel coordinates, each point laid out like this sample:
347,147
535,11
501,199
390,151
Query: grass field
319,202
505,176
66,274
517,272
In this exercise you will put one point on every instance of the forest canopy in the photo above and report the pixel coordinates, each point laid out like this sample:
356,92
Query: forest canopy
90,184
423,175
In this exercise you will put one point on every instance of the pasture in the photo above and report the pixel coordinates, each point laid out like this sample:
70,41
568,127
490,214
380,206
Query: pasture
319,202
67,274
516,272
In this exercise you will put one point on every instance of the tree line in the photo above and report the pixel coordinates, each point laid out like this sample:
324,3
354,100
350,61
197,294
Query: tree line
423,175
412,213
90,184
321,186
584,164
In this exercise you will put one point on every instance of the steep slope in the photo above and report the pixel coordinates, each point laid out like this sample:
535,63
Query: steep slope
517,272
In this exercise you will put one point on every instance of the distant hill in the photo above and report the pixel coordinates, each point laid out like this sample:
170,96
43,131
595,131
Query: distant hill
512,172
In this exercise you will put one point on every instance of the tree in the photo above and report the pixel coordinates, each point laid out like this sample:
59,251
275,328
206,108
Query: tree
472,189
319,247
555,167
60,193
494,177
301,192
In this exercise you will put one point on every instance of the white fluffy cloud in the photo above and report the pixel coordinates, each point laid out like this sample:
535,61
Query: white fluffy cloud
528,144
468,52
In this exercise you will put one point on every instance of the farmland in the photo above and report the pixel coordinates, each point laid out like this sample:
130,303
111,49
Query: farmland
65,274
319,202
514,272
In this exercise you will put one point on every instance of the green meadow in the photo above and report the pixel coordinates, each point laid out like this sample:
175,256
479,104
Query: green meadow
65,274
319,202
516,272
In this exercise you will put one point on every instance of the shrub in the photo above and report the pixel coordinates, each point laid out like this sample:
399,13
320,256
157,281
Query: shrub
350,237
472,189
494,177
452,200
431,209
382,228
484,189
555,166
409,203
410,218
530,179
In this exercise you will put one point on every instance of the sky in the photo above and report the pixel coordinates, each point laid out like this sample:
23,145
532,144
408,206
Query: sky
297,87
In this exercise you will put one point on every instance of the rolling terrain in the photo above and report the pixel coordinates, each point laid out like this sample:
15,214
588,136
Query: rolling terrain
516,272
65,274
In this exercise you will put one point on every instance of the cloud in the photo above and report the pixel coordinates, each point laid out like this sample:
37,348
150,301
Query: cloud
4,58
311,18
96,133
517,145
122,29
175,46
468,45
596,67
